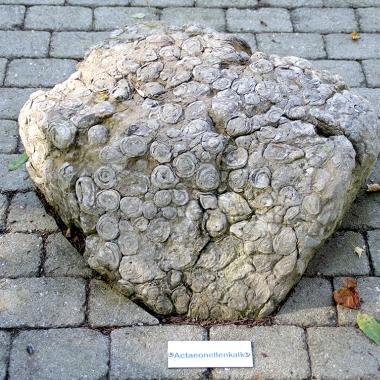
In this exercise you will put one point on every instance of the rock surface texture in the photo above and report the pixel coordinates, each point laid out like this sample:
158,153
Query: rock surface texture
204,177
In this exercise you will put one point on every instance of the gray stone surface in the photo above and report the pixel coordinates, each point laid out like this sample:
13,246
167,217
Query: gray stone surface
369,291
249,38
34,2
310,304
374,248
163,3
62,259
324,20
107,307
3,65
300,44
41,302
337,257
369,19
11,17
371,69
292,3
226,3
351,3
63,354
8,136
350,71
3,210
74,44
38,72
13,180
280,352
58,18
372,95
139,353
27,214
260,20
4,352
12,99
24,43
342,353
107,19
341,46
20,254
211,18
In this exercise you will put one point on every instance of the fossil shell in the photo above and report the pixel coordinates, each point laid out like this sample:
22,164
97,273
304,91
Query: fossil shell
163,198
108,227
129,243
185,165
207,177
108,256
97,134
133,146
160,152
108,200
180,197
260,178
62,134
159,230
105,177
85,191
131,207
235,158
163,177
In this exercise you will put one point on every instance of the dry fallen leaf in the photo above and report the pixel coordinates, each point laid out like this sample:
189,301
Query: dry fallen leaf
348,296
355,36
359,251
373,187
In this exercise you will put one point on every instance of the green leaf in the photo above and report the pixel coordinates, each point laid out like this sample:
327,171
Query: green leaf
369,326
22,158
138,15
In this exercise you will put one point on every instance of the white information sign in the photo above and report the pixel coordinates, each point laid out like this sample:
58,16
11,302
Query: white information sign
210,354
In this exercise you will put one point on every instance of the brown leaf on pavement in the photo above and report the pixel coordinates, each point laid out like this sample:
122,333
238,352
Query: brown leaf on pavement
355,36
348,296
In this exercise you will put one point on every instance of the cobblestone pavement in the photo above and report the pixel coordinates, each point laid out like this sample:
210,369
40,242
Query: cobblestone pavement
60,321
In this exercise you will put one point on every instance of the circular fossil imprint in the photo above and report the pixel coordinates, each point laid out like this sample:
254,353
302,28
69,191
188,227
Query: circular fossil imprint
203,176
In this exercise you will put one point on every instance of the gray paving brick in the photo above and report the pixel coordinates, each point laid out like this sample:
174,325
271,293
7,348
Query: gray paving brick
8,136
374,248
41,302
337,256
351,3
11,101
369,19
369,291
350,71
163,3
280,352
375,175
11,17
108,307
58,18
141,352
63,354
292,3
20,255
324,20
74,44
27,214
34,2
260,20
23,43
226,3
108,18
371,69
62,259
3,65
342,353
310,304
5,345
3,210
13,180
341,46
38,72
305,45
372,95
98,3
213,18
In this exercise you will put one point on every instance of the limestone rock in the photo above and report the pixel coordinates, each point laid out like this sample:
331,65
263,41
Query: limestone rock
204,177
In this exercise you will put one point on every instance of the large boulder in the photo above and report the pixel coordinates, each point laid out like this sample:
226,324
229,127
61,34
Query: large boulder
203,176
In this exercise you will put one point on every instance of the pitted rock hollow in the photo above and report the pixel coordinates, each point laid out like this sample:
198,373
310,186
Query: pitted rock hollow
204,177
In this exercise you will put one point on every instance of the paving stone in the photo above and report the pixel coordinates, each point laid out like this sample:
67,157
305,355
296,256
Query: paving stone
372,95
279,352
98,3
213,18
249,38
324,20
3,65
38,72
350,71
5,345
292,3
3,210
63,354
163,3
369,290
24,43
371,69
305,45
375,175
351,3
260,20
13,180
20,255
226,3
27,214
107,18
342,353
369,19
34,2
337,257
58,18
12,99
141,352
74,44
374,248
11,17
8,136
62,259
310,304
41,302
108,307
341,46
